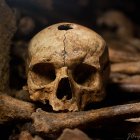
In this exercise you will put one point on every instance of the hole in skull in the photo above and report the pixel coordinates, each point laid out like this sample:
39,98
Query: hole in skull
64,89
83,73
65,27
45,72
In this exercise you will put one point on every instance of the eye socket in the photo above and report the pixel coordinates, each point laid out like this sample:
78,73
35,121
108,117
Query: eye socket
45,72
83,73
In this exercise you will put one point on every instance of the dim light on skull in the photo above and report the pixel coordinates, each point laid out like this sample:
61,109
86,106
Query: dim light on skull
68,66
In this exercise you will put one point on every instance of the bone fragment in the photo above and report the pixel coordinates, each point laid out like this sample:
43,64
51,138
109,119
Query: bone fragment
74,134
126,67
25,135
135,120
11,108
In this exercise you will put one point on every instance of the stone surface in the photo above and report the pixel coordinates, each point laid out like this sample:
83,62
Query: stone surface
7,30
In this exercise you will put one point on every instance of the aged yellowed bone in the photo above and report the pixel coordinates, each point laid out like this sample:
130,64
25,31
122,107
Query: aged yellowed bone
51,123
14,109
68,65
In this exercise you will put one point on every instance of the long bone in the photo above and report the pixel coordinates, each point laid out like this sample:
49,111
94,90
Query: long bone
50,123
54,122
11,108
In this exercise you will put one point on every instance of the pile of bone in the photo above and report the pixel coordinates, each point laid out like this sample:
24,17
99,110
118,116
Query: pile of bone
124,49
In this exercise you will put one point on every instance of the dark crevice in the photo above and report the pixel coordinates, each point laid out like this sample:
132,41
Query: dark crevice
82,73
65,27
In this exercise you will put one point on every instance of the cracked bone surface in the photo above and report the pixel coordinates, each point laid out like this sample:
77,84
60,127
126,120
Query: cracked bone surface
68,66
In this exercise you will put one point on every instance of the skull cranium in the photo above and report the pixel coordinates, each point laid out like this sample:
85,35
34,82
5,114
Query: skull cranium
68,65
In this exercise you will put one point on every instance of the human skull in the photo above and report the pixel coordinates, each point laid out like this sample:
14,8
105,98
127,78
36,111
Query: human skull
68,66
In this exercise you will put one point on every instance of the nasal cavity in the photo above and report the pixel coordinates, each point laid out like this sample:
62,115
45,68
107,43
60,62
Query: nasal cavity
64,89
